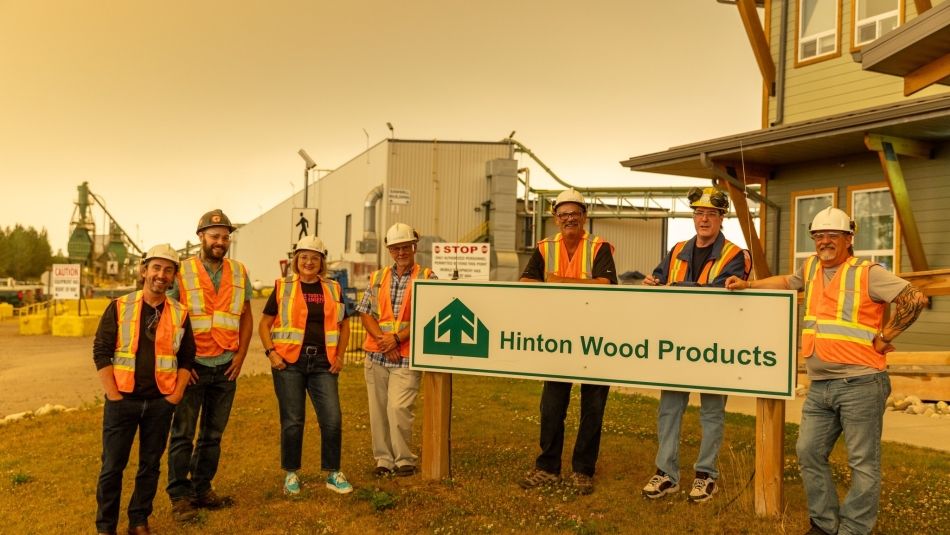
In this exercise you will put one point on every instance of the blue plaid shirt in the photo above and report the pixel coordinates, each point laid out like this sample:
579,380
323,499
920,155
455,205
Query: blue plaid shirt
397,291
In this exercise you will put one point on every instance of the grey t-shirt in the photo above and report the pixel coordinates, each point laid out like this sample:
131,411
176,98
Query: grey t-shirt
883,286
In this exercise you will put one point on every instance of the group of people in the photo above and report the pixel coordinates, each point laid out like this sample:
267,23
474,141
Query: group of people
169,355
196,319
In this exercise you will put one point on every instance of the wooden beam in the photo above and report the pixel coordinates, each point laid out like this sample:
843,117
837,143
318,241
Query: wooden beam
922,5
927,75
759,264
436,419
769,456
760,45
901,199
931,283
902,146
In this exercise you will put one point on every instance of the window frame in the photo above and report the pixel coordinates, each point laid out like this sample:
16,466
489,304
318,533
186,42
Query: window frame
901,9
799,62
878,186
347,232
793,216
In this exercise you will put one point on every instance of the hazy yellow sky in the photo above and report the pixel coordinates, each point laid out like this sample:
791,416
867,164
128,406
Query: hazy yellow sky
172,108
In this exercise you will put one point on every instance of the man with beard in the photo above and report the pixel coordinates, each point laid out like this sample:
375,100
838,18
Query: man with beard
707,259
217,292
143,352
576,257
844,343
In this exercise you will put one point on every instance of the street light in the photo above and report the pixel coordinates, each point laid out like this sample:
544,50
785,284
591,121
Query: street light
310,164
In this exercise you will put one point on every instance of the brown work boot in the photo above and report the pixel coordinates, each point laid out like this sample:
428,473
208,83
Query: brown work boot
139,530
212,500
183,511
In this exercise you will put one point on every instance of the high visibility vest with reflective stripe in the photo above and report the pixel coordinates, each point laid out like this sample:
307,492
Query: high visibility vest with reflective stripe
287,330
679,269
215,315
380,283
578,266
168,335
841,320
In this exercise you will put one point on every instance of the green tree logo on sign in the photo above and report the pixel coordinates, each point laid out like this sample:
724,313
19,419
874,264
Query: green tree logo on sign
457,332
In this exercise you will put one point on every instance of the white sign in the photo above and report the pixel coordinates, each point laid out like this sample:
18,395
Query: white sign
398,196
112,267
693,339
66,281
303,222
473,260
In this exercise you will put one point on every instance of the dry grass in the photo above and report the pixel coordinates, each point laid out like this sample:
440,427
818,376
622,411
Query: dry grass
48,470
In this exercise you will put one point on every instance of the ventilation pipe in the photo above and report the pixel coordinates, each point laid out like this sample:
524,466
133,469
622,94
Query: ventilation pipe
369,243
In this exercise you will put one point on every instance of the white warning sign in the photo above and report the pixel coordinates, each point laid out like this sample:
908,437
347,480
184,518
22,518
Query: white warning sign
473,260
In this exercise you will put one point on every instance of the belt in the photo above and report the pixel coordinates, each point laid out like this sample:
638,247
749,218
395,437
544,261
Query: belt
313,351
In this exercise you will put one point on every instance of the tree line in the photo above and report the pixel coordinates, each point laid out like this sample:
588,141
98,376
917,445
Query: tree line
25,252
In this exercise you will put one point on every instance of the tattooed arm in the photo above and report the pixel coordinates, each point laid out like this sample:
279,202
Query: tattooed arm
908,304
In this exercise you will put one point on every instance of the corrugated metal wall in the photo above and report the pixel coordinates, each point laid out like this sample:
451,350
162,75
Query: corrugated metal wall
928,183
834,85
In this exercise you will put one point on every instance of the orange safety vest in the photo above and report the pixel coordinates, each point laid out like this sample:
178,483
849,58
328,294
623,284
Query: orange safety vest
679,269
215,315
841,320
168,335
382,305
578,266
287,330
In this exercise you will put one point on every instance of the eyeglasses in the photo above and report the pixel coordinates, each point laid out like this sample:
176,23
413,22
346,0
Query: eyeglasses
717,198
311,257
819,236
152,324
397,249
706,214
565,216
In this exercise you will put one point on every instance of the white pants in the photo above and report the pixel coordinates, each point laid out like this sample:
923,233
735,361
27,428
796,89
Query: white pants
392,395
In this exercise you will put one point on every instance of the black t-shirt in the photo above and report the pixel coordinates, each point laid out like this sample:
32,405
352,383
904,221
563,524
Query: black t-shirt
700,256
603,265
313,334
103,348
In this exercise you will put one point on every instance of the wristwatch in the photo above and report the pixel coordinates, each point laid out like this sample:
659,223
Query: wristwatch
881,334
396,336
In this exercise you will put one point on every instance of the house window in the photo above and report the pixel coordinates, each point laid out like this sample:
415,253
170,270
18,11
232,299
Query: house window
817,28
874,18
876,233
805,205
347,232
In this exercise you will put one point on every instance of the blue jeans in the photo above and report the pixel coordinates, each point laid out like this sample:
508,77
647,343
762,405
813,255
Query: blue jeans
712,414
212,397
854,406
292,385
120,421
555,398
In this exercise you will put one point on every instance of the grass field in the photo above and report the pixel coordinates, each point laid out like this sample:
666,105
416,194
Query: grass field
49,467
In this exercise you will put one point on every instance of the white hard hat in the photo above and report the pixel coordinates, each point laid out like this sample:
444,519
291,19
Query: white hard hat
162,250
570,195
311,243
831,218
400,233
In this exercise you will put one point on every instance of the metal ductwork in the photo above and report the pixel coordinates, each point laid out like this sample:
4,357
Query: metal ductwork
370,243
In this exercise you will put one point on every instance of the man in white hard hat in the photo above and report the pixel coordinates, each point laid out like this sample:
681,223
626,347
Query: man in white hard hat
391,386
576,257
706,259
144,350
217,292
845,351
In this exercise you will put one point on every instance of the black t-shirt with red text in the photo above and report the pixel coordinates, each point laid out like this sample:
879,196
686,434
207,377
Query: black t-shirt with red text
313,334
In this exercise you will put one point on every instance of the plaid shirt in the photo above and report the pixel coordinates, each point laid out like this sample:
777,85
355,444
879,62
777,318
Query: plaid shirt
397,291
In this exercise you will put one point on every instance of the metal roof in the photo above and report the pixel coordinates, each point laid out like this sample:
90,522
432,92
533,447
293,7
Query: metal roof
926,119
917,43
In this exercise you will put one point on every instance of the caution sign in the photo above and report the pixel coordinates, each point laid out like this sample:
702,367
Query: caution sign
473,260
65,280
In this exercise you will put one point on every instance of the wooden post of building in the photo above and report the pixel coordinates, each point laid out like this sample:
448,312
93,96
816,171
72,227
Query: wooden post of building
436,421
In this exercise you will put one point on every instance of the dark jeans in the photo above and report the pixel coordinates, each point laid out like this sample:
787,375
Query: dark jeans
212,397
120,420
555,397
292,385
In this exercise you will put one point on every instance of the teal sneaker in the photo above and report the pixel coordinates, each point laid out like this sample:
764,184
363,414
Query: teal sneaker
337,482
291,484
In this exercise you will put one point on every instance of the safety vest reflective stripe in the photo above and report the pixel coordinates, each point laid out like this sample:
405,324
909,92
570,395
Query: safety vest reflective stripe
679,269
382,307
287,330
841,319
168,335
215,314
580,266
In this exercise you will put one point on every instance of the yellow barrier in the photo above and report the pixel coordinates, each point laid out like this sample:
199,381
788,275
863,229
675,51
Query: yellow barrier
34,324
94,306
6,311
75,325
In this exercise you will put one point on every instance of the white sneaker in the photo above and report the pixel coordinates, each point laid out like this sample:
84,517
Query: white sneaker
659,485
703,488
